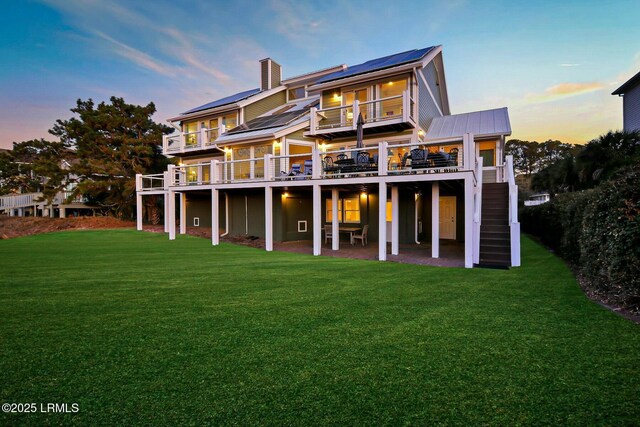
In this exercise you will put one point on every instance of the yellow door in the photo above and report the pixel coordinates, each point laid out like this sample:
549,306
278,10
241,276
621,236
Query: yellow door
447,217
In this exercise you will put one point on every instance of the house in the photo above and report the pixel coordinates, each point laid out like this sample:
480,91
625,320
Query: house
371,146
630,93
537,199
33,203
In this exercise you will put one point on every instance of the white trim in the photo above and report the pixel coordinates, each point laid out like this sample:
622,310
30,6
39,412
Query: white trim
215,217
302,77
435,219
395,220
261,95
382,221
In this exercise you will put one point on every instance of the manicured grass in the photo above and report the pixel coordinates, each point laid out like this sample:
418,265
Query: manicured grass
140,330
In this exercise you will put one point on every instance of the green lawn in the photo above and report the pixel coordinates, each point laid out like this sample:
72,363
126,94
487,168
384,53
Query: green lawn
140,330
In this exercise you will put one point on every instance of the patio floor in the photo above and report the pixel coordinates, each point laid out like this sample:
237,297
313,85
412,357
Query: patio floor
451,252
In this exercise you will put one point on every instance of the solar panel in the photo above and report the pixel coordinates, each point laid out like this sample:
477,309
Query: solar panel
378,64
224,101
268,122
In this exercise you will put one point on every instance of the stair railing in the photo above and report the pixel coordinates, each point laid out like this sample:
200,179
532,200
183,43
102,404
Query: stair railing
477,211
514,225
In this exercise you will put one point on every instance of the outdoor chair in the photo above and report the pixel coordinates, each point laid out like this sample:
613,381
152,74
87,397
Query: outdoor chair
296,170
342,156
362,237
418,159
453,157
328,233
308,167
327,165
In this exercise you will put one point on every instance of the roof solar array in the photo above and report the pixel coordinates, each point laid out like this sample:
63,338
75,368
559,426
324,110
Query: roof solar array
267,122
224,101
378,64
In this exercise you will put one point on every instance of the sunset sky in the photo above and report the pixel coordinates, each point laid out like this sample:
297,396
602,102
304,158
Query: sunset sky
553,64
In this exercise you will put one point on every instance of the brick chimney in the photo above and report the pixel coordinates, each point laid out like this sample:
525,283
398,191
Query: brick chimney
270,74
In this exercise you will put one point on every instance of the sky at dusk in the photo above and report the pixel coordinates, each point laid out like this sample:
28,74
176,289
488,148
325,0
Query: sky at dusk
554,64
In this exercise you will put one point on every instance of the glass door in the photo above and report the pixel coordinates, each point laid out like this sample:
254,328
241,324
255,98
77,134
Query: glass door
347,99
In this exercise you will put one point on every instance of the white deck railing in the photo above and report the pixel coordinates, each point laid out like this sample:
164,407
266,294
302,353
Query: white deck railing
399,108
189,141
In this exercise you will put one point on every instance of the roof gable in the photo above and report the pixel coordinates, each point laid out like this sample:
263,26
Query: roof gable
627,85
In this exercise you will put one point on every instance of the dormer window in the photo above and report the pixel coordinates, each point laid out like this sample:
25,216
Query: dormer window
296,93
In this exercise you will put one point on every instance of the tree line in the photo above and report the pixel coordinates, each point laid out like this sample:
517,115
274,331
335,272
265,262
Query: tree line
98,153
557,167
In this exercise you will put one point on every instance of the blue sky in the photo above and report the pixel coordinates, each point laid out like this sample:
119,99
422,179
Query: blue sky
554,64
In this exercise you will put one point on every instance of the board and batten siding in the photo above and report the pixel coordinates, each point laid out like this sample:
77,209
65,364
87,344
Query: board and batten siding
631,109
427,108
258,108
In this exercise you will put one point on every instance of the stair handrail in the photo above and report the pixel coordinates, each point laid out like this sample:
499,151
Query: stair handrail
477,214
514,225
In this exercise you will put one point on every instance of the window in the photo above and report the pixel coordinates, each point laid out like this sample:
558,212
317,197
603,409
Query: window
487,150
296,93
392,89
229,122
348,210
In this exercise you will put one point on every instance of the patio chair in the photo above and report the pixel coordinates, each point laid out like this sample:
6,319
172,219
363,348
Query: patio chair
327,165
362,237
328,233
418,159
342,156
308,167
453,157
296,169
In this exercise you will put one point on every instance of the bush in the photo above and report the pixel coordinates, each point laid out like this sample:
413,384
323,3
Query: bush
610,241
598,231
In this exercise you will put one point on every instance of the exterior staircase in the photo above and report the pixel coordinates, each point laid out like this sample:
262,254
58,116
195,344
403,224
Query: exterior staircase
495,240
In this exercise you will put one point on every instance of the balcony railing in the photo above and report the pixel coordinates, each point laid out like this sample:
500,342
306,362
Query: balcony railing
381,159
378,112
190,141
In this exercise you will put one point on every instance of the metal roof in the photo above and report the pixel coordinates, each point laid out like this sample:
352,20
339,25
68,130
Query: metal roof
224,101
378,64
627,85
479,123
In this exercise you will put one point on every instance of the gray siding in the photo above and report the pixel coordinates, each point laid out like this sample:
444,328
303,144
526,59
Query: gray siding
631,105
431,75
427,109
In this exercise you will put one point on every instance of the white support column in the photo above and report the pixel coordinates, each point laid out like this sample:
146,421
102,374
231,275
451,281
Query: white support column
172,214
139,212
335,226
63,212
166,211
313,120
215,217
51,213
382,221
468,222
317,164
183,213
395,221
382,158
317,220
268,218
435,219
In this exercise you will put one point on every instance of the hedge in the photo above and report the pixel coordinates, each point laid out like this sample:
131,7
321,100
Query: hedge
597,231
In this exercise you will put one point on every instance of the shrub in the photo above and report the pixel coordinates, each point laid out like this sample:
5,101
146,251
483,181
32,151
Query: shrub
598,231
610,242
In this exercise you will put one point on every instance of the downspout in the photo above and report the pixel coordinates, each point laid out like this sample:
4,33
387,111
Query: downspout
417,221
246,215
226,215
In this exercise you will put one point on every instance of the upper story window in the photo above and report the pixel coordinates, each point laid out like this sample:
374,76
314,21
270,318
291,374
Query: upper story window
296,93
226,122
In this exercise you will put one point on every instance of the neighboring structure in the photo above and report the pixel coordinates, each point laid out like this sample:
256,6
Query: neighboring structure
537,199
290,160
630,93
33,204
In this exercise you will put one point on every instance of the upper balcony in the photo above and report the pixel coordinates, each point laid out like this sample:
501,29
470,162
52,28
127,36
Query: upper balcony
186,142
395,113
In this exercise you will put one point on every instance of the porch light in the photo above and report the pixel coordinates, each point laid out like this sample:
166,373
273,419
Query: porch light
285,195
323,146
420,133
363,195
337,96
